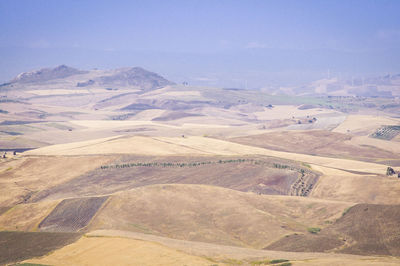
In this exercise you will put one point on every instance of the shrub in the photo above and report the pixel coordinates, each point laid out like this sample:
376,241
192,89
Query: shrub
313,230
390,171
278,261
346,211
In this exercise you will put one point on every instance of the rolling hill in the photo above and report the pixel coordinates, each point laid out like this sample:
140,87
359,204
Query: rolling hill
123,166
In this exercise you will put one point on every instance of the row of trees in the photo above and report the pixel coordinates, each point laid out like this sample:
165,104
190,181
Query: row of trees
195,164
165,164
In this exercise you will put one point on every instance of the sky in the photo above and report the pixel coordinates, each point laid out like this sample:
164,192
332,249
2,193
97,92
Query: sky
246,43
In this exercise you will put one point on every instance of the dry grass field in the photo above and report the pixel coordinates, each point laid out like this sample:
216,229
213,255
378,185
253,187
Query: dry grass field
246,256
325,143
26,217
359,188
362,125
364,229
21,178
215,215
195,146
182,175
99,248
118,251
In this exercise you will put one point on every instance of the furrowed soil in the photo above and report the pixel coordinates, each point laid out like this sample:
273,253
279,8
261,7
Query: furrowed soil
71,215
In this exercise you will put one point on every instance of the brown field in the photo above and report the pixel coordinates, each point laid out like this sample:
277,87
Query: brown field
257,174
71,215
17,246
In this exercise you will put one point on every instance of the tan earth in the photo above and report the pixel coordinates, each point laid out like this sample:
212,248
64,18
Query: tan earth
117,251
364,124
194,145
170,215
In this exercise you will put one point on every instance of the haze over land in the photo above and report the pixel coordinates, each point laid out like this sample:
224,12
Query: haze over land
244,44
199,133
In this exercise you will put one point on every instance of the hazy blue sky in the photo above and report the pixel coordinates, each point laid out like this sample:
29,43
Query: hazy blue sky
224,43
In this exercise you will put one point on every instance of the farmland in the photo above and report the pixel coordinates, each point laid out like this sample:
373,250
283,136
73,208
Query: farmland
177,174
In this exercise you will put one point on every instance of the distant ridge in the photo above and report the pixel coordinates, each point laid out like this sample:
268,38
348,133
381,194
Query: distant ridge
45,74
135,76
122,77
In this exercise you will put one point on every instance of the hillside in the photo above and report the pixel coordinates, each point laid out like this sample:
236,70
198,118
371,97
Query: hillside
363,229
324,143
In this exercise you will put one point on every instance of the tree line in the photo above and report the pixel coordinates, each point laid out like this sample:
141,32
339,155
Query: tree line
195,164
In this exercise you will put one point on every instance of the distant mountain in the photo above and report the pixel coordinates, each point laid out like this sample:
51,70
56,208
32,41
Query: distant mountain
46,74
134,76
